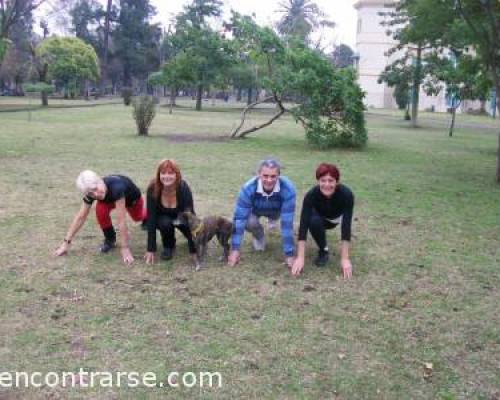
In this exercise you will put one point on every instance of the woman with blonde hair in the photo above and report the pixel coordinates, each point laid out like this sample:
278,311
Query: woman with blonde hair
110,192
167,196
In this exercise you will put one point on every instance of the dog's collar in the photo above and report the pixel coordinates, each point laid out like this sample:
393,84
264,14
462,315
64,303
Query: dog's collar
197,230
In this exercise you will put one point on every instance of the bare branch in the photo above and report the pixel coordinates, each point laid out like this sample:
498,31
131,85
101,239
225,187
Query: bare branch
255,128
243,114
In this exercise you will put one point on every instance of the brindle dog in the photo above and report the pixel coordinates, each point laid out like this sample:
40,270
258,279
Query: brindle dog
203,230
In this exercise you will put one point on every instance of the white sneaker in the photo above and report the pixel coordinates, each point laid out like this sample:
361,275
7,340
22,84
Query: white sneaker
272,224
259,245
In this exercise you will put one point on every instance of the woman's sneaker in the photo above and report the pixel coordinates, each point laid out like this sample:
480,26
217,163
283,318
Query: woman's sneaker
322,258
167,254
107,245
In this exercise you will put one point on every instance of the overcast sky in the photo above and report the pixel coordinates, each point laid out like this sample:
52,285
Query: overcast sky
340,11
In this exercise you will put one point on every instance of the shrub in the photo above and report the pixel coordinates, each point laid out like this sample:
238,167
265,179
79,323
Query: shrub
40,87
127,95
144,112
327,133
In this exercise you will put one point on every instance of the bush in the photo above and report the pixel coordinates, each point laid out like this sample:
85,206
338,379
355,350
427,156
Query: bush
144,112
40,87
331,108
127,95
327,133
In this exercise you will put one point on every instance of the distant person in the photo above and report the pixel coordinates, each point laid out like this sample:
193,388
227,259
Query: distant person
326,205
167,196
110,192
266,195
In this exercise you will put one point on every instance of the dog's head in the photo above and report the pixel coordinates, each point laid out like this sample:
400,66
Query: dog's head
187,218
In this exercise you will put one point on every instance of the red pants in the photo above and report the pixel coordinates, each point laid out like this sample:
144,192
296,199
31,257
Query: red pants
103,212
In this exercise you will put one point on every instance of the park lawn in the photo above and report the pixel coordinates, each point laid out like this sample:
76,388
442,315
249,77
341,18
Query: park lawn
425,254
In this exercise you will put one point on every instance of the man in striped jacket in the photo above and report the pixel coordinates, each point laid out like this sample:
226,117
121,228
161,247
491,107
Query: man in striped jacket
266,195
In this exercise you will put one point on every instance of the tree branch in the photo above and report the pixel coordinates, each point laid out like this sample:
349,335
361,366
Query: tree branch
243,114
255,128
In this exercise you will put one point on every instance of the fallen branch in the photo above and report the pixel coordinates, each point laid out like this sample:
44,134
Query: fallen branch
255,128
243,114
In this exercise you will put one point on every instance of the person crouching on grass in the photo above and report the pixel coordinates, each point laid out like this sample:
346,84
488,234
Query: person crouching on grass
167,196
113,191
325,206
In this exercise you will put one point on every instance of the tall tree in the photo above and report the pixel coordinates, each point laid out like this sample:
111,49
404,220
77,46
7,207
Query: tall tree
70,61
105,57
414,37
327,101
136,40
342,56
87,17
16,64
11,13
459,75
482,21
209,53
468,25
300,18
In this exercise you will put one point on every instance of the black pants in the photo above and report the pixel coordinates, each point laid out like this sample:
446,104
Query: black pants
318,226
167,231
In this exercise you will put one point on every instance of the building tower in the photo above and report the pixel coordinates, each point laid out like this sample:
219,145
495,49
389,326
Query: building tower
372,44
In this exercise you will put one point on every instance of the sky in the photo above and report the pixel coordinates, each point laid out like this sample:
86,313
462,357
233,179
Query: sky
340,11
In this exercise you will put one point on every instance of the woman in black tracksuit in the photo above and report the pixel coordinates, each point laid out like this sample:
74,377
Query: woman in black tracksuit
167,196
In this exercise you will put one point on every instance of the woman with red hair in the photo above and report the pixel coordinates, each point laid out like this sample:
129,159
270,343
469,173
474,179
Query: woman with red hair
325,206
167,196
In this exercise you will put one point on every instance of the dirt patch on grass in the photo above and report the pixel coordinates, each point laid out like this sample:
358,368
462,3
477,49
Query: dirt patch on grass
191,138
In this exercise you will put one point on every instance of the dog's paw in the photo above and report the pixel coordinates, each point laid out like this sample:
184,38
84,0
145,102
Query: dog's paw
197,267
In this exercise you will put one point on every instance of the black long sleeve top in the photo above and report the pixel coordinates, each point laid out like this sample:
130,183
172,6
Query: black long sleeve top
341,204
156,209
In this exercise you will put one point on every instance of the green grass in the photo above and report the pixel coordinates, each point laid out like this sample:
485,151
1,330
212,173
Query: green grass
425,255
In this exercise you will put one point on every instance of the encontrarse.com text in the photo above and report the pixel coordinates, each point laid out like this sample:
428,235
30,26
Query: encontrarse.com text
90,379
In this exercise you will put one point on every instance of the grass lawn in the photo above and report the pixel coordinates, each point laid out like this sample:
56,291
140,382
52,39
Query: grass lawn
426,252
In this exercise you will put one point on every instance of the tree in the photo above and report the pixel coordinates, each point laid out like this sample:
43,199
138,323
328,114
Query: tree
300,18
414,36
175,74
208,53
16,62
70,61
243,76
482,21
472,26
86,18
327,102
11,13
136,40
342,56
461,77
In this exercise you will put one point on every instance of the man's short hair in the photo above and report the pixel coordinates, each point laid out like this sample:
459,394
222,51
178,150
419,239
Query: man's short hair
269,163
87,181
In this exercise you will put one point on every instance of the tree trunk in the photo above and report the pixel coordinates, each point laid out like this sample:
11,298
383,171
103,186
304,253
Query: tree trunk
498,110
249,96
452,125
238,95
482,107
104,69
173,93
199,94
416,87
45,98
